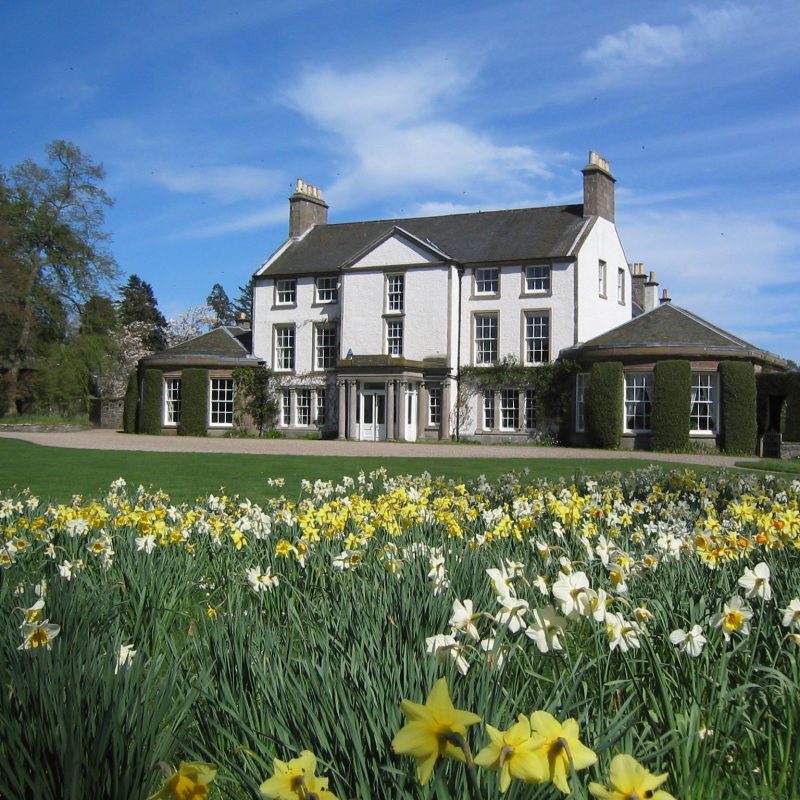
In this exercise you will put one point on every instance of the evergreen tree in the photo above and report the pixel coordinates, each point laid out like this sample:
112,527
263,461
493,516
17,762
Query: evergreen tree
243,304
138,305
98,317
221,305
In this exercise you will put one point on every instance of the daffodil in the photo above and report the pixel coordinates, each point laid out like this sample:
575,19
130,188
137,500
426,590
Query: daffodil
512,753
432,730
296,779
755,581
190,781
38,634
630,781
556,745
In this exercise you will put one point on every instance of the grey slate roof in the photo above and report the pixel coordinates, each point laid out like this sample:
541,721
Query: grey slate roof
228,343
668,327
512,236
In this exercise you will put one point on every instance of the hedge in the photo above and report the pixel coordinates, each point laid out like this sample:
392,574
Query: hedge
791,432
603,404
671,406
131,407
738,407
194,403
150,412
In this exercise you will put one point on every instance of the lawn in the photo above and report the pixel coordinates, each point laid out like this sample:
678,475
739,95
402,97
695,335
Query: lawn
60,473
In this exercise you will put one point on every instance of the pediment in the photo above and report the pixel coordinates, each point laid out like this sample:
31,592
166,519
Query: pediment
397,247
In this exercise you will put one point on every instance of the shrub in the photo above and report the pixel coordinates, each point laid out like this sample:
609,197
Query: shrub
131,407
150,412
792,429
194,403
603,404
254,401
671,406
738,407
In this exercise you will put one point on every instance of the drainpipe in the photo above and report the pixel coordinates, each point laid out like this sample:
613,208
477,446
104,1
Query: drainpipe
460,270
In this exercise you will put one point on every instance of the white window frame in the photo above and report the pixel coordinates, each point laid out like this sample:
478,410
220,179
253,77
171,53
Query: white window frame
394,337
172,402
487,281
580,401
220,402
621,286
537,338
538,279
434,406
302,408
327,290
325,352
638,397
395,293
489,410
602,279
286,292
285,347
705,394
486,346
286,408
509,409
321,409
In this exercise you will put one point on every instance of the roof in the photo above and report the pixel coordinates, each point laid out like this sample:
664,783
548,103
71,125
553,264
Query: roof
228,344
515,235
670,330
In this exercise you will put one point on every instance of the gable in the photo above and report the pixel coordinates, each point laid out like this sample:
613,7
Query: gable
396,250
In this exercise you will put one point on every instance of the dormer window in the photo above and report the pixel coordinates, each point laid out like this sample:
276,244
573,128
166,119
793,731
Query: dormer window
487,281
285,292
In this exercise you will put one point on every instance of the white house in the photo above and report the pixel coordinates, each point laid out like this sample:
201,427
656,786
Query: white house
368,325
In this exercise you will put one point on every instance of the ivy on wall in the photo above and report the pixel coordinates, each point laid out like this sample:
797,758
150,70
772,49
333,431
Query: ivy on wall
254,399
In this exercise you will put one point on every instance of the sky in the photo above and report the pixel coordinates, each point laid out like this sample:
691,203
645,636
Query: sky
205,113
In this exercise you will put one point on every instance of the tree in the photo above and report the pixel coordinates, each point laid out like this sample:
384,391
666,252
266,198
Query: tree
191,323
52,250
138,305
98,317
221,305
243,304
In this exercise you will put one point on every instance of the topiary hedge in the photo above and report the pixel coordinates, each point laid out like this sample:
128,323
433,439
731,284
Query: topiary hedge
671,406
152,399
603,405
131,407
738,407
194,403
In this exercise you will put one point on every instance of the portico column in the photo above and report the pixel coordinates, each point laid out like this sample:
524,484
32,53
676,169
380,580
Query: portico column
402,416
390,431
293,408
352,431
342,411
422,410
498,412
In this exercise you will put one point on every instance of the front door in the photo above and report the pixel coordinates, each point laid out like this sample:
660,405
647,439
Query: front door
373,416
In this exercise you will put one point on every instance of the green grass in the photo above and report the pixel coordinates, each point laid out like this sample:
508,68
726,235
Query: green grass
776,465
59,473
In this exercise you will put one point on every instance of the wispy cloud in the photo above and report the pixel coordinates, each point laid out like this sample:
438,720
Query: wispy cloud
226,184
644,46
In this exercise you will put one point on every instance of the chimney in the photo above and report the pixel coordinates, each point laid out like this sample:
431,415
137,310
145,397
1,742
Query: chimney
242,320
650,292
306,209
598,188
637,286
665,298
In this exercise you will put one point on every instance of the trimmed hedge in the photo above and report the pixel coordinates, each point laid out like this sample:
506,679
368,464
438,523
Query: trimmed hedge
131,407
791,431
152,399
738,407
603,405
194,403
671,406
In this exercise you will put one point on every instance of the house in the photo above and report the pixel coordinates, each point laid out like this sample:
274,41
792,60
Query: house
368,326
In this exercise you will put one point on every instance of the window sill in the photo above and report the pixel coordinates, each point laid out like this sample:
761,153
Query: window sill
283,306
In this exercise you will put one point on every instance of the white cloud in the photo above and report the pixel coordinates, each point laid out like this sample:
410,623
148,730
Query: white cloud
644,46
237,223
224,183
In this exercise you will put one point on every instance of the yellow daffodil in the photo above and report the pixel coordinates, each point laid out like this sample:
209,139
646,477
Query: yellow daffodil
630,781
432,729
556,744
295,780
512,752
189,782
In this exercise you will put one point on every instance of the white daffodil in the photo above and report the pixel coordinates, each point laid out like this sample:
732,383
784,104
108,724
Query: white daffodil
734,618
348,559
34,613
622,634
495,655
791,614
544,627
597,604
691,642
502,581
513,609
571,592
261,581
463,619
38,634
146,543
755,581
445,646
541,584
124,657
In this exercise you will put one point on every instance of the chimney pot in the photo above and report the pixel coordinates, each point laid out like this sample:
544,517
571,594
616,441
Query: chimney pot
665,298
598,188
306,209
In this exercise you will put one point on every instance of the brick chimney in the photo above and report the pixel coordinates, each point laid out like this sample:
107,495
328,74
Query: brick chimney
650,292
638,279
306,209
598,188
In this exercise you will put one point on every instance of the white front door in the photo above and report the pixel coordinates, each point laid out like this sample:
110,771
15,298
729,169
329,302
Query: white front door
411,415
373,416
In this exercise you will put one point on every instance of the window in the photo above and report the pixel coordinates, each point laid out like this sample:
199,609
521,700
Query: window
530,410
285,292
487,280
435,405
172,401
703,416
580,407
284,347
221,401
321,411
638,391
327,290
326,348
537,338
601,278
485,338
537,279
394,337
395,290
621,285
509,409
286,408
488,410
303,398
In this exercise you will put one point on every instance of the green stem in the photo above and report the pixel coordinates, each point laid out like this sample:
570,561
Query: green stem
472,781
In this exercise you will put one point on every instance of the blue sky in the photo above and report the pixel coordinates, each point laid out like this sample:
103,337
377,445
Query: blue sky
204,114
